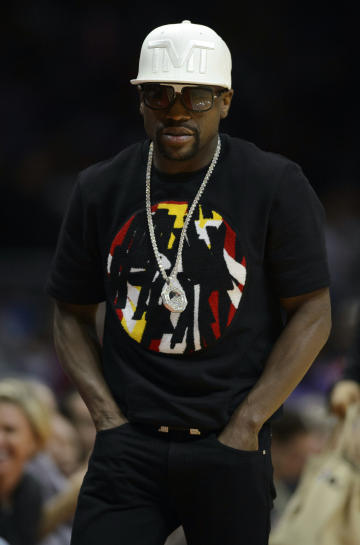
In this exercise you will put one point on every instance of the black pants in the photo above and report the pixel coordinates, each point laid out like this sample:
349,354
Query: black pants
142,484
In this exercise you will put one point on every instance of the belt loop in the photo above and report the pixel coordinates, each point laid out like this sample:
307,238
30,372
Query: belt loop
164,429
190,431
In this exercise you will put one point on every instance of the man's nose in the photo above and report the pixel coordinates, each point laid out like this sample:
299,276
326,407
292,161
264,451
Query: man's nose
177,110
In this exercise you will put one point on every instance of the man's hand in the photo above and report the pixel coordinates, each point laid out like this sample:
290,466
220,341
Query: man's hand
239,437
344,394
110,422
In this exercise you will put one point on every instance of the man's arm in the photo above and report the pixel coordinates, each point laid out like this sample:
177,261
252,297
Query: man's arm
79,351
306,332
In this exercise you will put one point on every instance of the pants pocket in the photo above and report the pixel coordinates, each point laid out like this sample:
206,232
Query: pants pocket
240,452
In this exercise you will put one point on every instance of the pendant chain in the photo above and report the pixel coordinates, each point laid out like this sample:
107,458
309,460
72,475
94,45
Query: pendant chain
188,217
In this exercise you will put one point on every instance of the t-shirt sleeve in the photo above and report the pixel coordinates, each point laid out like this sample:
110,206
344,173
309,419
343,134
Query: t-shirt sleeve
76,272
296,252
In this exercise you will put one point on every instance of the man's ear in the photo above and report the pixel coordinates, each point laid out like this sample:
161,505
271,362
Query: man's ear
141,102
226,99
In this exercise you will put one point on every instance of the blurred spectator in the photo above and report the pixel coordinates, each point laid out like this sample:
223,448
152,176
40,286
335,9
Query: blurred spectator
60,509
52,467
64,446
62,466
291,446
44,394
24,429
74,408
347,390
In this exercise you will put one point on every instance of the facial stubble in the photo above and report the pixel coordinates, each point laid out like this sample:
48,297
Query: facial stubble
175,155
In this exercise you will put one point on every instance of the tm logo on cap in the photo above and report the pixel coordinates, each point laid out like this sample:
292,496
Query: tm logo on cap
164,50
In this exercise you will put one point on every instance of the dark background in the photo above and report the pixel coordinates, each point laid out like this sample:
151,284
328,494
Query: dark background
66,102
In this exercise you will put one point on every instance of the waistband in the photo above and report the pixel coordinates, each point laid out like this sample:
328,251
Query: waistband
184,433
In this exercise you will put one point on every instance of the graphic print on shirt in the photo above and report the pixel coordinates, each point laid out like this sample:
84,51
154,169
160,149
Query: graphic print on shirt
212,272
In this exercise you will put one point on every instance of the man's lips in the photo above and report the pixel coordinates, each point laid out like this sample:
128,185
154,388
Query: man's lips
177,136
177,131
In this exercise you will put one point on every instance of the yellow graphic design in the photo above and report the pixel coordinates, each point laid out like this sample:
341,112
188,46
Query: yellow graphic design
171,241
134,328
202,223
177,210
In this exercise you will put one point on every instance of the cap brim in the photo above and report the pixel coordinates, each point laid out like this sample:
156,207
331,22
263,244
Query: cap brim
212,83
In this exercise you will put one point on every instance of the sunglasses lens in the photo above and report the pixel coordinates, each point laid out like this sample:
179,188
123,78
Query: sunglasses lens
198,99
158,96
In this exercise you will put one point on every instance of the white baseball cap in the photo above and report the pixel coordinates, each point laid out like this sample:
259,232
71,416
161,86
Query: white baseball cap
184,53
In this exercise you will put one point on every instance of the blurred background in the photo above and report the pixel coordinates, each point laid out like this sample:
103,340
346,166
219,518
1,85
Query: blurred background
66,102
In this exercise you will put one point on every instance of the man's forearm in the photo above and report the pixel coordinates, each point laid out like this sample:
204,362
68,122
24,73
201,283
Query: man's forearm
79,351
293,353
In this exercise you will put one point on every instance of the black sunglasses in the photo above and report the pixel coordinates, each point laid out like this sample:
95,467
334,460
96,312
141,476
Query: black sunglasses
195,98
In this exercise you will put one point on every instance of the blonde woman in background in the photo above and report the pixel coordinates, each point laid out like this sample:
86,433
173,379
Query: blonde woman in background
24,430
53,468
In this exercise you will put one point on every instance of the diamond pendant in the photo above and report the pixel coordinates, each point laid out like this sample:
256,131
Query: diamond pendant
173,296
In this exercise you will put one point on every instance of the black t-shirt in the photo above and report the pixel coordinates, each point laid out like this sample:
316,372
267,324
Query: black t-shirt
255,236
19,518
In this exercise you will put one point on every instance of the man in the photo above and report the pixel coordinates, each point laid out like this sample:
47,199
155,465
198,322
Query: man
198,243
